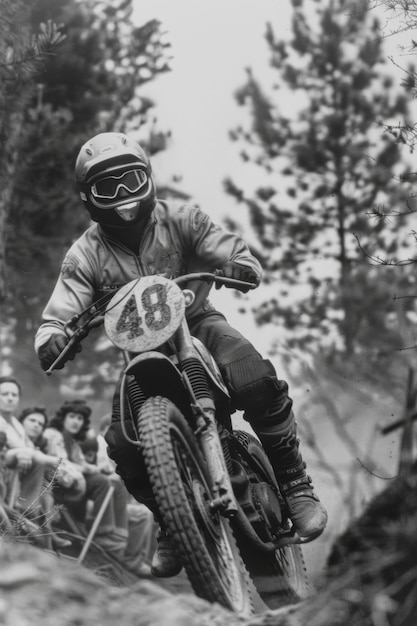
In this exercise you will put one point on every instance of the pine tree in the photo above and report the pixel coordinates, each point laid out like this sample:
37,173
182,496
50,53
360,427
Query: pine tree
90,84
22,51
329,168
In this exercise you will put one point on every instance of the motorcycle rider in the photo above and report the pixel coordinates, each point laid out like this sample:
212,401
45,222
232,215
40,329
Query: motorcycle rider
134,233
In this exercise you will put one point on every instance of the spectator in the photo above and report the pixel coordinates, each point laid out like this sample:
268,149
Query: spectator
12,523
142,528
67,429
34,420
89,447
21,454
3,469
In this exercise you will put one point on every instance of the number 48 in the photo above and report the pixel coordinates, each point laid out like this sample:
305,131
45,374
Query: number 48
156,310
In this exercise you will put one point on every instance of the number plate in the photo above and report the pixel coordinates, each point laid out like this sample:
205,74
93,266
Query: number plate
144,314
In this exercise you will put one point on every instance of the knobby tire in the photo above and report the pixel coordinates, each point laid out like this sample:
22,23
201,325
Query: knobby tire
205,544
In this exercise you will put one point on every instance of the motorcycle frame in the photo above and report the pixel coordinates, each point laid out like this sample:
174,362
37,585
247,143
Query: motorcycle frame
202,417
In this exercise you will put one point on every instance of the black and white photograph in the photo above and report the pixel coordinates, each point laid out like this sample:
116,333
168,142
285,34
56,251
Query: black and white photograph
208,312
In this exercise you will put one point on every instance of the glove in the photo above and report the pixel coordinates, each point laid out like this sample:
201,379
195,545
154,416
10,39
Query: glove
231,269
53,348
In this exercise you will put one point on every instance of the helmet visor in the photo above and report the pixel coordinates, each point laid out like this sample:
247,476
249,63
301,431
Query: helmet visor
109,187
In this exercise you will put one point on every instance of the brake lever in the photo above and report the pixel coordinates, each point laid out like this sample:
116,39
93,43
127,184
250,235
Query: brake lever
78,335
76,338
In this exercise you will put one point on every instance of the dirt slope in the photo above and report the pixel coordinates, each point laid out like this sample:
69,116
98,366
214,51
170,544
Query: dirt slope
371,580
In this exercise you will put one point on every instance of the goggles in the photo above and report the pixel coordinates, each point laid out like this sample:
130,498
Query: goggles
108,188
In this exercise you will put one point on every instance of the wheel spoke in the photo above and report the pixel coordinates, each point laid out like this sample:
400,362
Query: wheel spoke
211,524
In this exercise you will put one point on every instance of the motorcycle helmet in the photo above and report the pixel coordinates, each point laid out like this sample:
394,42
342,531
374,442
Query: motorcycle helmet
114,177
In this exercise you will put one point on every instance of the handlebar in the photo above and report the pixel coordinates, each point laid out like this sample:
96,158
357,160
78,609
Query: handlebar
96,318
216,278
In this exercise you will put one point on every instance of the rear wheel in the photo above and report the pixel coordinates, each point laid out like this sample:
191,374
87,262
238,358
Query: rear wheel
280,576
203,538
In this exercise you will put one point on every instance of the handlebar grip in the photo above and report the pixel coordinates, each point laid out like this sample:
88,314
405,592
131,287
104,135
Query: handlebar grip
220,279
234,282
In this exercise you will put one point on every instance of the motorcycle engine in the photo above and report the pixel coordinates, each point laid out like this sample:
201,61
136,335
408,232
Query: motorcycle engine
267,499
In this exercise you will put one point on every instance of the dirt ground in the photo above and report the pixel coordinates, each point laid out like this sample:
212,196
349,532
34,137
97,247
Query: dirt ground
39,589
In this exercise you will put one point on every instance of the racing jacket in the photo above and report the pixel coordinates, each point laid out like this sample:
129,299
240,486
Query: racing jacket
178,239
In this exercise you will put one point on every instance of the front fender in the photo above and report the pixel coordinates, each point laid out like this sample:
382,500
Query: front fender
157,375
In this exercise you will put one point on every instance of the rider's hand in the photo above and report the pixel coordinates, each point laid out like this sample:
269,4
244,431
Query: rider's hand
231,269
50,351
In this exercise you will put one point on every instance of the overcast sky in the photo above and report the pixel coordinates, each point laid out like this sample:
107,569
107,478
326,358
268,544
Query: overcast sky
212,43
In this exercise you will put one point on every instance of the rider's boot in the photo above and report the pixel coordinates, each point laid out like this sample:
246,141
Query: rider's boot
281,445
165,563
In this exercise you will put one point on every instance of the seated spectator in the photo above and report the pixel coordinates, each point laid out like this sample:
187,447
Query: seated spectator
89,446
21,454
12,523
34,420
3,469
65,432
141,526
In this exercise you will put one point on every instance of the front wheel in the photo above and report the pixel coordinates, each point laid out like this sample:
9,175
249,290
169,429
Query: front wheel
203,538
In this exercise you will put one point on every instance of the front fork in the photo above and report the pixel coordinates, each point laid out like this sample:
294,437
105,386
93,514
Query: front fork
195,379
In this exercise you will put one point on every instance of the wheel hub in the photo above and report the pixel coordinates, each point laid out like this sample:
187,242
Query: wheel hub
202,501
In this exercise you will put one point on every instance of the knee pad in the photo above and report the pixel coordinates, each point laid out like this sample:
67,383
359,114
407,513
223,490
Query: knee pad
277,414
253,383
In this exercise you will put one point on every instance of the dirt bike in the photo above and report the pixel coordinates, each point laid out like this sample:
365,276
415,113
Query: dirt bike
214,486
